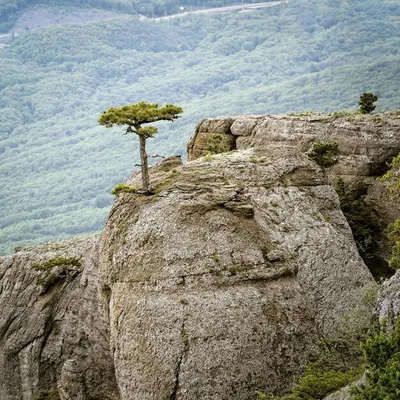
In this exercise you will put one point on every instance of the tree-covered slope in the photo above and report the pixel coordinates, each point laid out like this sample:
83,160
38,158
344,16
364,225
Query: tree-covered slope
10,10
58,166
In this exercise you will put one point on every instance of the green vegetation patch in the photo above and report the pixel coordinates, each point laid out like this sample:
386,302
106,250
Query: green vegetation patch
337,359
56,269
47,395
362,222
382,358
392,178
316,384
57,262
394,236
122,188
219,143
324,153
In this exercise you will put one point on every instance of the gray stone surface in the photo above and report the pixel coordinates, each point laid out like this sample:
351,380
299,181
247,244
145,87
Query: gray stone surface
388,306
219,285
214,287
366,142
40,329
343,394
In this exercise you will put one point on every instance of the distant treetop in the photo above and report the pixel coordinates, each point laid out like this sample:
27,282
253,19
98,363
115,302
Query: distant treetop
366,103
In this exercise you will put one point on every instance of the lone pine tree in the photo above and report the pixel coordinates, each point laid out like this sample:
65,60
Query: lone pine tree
134,116
366,103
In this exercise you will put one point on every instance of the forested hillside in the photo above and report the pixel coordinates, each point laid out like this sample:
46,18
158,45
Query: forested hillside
58,166
11,9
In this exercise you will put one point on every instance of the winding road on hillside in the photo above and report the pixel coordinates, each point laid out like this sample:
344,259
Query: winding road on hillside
34,15
245,7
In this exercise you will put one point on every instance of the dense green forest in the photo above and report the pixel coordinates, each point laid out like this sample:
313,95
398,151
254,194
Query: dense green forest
58,165
11,9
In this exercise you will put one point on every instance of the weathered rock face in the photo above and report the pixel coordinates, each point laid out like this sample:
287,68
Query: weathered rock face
218,285
50,322
366,144
388,310
388,306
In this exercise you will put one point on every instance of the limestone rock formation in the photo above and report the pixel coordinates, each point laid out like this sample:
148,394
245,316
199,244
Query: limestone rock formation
50,319
217,285
366,144
220,283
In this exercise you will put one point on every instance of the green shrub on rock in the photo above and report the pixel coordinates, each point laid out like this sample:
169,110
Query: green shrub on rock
122,188
337,359
382,357
324,153
218,143
55,270
392,178
316,384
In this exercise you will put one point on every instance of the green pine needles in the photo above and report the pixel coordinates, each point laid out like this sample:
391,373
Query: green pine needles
134,116
366,103
55,270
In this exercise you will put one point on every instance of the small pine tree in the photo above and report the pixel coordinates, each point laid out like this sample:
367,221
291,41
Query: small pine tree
134,116
366,103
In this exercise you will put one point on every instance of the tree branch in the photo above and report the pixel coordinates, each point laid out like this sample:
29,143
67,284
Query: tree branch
156,156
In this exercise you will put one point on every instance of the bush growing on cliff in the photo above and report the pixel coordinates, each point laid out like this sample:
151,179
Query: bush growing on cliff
217,144
316,384
392,178
56,269
337,359
382,357
324,153
122,188
394,236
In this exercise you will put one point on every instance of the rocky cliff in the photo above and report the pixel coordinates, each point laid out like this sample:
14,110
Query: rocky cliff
52,335
366,143
217,285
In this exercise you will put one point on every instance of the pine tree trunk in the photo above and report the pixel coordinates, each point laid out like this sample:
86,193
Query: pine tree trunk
144,166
